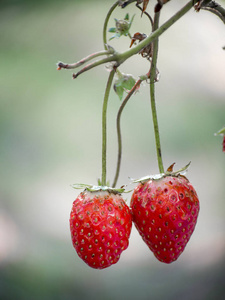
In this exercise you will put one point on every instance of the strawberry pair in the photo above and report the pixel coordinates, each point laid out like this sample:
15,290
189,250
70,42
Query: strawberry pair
164,210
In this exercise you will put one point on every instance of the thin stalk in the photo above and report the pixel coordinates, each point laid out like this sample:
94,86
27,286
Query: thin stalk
61,65
106,23
134,50
119,135
145,13
152,95
214,8
119,58
95,64
104,125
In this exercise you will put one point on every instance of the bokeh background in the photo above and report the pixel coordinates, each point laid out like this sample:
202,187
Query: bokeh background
50,138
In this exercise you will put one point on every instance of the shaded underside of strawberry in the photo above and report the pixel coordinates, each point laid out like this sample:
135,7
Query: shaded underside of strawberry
165,213
100,224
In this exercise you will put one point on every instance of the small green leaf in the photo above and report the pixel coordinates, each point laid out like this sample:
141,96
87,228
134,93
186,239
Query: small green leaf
126,17
119,90
132,19
124,83
117,35
128,82
112,29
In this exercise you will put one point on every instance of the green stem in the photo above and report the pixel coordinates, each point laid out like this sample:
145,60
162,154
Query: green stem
104,125
119,136
106,23
214,8
119,58
134,50
152,95
61,65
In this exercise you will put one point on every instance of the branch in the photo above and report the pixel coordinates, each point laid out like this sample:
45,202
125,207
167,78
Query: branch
124,56
61,65
119,58
214,8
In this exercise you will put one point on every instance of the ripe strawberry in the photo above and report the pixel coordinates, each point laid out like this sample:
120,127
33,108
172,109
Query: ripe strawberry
223,143
165,212
222,132
100,225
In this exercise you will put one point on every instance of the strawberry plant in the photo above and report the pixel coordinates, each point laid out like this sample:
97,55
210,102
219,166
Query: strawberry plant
164,207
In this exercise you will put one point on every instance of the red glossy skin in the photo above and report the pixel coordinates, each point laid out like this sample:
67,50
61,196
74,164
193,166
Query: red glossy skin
165,213
100,224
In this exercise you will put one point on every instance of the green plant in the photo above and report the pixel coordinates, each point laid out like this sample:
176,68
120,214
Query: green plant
147,47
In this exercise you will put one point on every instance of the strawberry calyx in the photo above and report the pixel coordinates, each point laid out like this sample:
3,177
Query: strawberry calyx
169,172
99,188
221,131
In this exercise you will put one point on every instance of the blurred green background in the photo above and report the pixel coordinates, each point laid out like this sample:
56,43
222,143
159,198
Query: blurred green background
50,138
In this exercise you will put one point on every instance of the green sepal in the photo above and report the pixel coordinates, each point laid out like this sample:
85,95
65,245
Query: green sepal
149,177
99,188
181,171
221,131
116,35
122,27
119,91
123,83
112,29
126,17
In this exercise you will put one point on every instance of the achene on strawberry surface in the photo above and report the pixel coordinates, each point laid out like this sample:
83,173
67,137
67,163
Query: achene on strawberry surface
165,213
100,224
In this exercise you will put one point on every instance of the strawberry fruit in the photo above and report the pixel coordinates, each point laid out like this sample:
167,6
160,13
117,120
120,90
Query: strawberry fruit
224,143
165,212
100,225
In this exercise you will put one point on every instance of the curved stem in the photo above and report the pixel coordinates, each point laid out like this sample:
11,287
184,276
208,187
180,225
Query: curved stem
104,125
145,13
134,50
119,136
106,23
214,8
95,64
119,58
152,95
61,65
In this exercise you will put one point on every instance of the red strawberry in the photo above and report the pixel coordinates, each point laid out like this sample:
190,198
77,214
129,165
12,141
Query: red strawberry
165,212
224,143
222,132
100,224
